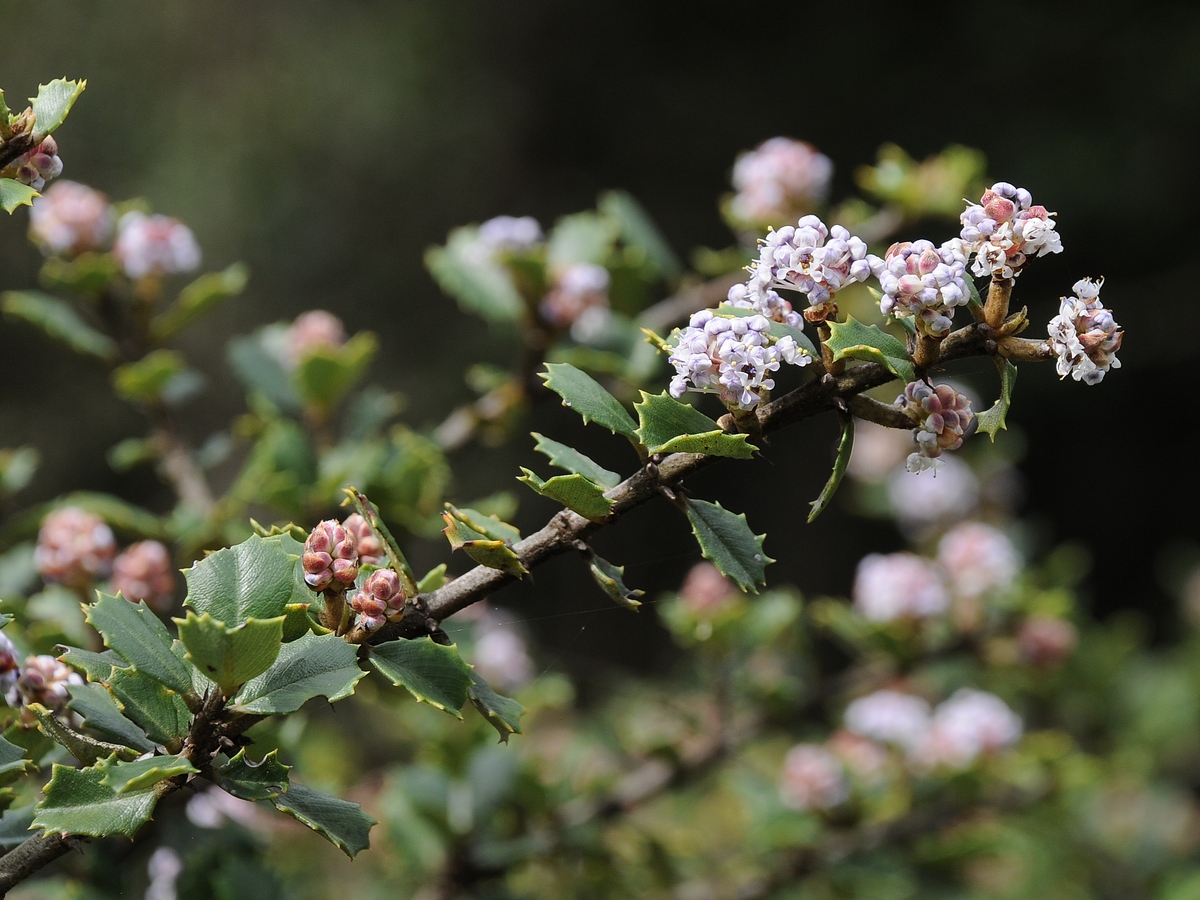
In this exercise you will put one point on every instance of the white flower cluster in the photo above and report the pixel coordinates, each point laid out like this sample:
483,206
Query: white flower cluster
977,559
807,257
71,218
777,181
895,586
922,281
953,735
812,778
732,356
511,234
154,245
942,415
1005,229
1084,335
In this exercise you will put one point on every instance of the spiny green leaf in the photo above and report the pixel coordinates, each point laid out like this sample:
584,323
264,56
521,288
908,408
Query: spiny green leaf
160,712
198,298
95,705
143,774
253,579
481,286
668,426
995,418
96,666
489,526
296,621
854,340
433,673
59,320
14,194
727,541
612,581
248,780
311,666
14,762
52,103
140,638
83,747
573,461
231,656
582,393
845,446
77,801
503,713
491,553
574,492
341,822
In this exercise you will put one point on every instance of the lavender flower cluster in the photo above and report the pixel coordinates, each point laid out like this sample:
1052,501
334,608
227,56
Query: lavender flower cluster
942,416
1005,229
924,282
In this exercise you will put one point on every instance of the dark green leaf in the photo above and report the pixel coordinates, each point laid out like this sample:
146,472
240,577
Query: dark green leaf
433,673
573,461
77,801
95,705
612,581
231,656
96,666
854,340
59,320
995,418
727,541
143,774
14,827
198,298
83,747
845,446
248,780
489,526
573,491
339,821
253,579
296,621
140,638
491,553
311,666
260,370
14,194
503,713
582,393
668,426
52,103
14,762
160,712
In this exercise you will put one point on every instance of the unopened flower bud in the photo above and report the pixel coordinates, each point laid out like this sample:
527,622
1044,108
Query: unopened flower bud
777,182
154,245
330,557
75,548
371,551
39,165
1084,335
8,664
44,680
143,571
942,416
70,218
316,329
1046,641
923,282
379,600
812,778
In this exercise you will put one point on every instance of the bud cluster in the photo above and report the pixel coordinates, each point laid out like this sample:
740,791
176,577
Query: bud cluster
779,181
75,548
379,600
43,680
732,356
37,166
330,557
1005,229
370,548
71,218
1084,336
924,282
578,297
143,571
154,245
942,416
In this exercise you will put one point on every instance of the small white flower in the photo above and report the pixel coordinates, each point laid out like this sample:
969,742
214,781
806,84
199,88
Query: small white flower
154,245
1084,335
969,724
978,559
888,716
812,778
1005,229
895,586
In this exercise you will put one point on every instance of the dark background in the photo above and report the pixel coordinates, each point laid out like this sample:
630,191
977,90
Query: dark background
328,145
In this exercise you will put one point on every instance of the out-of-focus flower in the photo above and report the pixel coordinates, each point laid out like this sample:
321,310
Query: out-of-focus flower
1046,641
317,329
75,548
812,778
733,357
777,182
969,724
370,548
1005,229
214,807
878,450
154,245
379,600
978,559
37,166
579,289
706,592
1084,335
863,758
891,717
502,659
44,680
9,668
898,586
330,555
71,218
921,500
143,571
923,282
163,868
510,234
942,416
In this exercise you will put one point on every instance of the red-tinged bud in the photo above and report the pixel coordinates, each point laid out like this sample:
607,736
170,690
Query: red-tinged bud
75,548
144,572
370,548
380,599
1046,641
330,557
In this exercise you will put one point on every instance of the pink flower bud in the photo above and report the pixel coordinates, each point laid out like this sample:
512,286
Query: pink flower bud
44,680
144,572
370,548
379,599
154,245
812,778
330,557
313,330
74,548
70,218
1046,641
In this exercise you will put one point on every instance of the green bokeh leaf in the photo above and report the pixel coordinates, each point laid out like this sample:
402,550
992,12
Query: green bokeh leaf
668,426
727,541
59,320
582,393
77,801
433,673
253,579
198,298
480,285
637,229
854,340
573,491
581,237
341,822
503,713
140,638
573,461
325,374
248,780
149,379
231,656
311,666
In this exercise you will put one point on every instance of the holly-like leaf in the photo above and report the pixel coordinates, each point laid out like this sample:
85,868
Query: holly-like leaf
59,320
503,713
854,340
480,285
573,461
845,446
611,579
727,541
250,580
668,426
14,827
574,492
433,673
77,801
83,747
14,194
14,762
296,621
311,666
160,712
491,553
994,418
248,780
52,103
140,638
231,656
143,774
198,298
95,705
339,821
489,526
582,393
96,666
